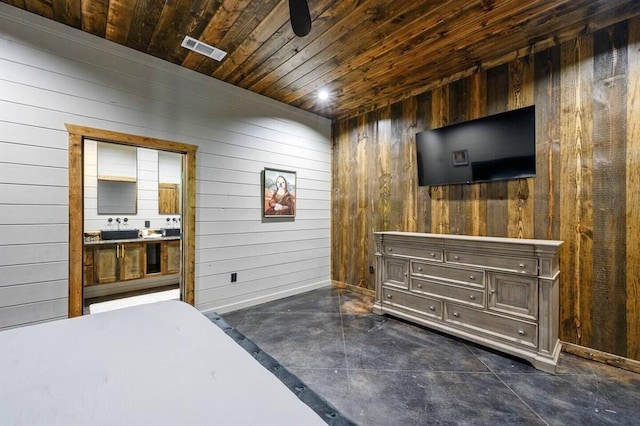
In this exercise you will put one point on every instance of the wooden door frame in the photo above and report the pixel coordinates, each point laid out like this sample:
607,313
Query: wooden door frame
77,134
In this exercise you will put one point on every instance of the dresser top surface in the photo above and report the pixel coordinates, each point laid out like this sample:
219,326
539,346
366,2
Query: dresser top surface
471,238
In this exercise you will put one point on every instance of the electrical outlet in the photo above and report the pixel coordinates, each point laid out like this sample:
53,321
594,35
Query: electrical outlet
234,277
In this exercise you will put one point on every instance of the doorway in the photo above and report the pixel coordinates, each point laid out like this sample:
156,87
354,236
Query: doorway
77,261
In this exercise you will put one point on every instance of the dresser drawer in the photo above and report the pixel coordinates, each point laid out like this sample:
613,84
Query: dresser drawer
473,277
514,264
419,305
425,253
470,296
520,332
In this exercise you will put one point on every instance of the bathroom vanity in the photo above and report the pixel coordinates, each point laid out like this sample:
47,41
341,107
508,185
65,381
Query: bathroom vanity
130,264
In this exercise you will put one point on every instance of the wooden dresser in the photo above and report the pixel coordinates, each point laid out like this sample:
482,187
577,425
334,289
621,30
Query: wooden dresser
499,292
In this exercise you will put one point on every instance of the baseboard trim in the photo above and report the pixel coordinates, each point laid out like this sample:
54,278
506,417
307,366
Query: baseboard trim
603,357
246,303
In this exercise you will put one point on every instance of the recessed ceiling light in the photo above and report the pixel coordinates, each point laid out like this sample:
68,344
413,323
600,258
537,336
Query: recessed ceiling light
323,94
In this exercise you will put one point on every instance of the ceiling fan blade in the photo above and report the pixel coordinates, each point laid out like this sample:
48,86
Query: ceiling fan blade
300,17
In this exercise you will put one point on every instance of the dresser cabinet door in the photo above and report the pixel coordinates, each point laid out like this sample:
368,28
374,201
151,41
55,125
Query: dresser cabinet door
396,272
513,294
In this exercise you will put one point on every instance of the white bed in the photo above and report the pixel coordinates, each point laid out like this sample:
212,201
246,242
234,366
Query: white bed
162,363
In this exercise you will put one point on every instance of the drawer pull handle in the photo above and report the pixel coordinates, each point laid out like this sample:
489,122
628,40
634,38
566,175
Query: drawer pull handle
521,332
455,314
471,277
456,257
472,297
419,269
522,265
432,254
389,296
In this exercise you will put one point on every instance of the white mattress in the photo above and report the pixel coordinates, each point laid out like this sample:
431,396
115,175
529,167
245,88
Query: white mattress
162,363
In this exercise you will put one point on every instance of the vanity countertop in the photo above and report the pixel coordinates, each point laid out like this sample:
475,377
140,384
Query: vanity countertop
131,240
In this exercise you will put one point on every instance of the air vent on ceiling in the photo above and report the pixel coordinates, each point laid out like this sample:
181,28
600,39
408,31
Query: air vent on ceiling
203,48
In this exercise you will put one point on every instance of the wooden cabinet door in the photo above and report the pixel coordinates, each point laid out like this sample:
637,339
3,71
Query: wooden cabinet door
172,257
88,266
132,261
105,261
396,272
513,294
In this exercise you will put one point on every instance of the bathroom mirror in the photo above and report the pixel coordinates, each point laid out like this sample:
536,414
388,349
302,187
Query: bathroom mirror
169,182
117,179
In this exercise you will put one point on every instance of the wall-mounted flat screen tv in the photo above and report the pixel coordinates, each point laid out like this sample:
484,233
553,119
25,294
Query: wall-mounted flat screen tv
497,147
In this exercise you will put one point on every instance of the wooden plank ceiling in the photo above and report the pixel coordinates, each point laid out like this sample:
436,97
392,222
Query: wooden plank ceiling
366,53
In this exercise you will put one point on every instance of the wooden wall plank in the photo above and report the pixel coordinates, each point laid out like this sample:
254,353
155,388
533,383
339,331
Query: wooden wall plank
409,182
361,236
609,186
520,192
576,226
384,170
456,193
423,203
633,191
370,165
396,167
476,208
547,101
497,192
340,195
439,194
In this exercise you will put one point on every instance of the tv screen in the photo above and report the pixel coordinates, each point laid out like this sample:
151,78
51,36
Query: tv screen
497,147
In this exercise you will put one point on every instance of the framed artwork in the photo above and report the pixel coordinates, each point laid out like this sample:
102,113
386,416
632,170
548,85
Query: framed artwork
460,158
278,193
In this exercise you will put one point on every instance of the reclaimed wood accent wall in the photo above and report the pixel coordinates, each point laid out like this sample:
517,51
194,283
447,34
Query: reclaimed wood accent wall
586,191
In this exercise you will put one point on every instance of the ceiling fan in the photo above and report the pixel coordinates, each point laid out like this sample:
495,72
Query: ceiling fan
300,17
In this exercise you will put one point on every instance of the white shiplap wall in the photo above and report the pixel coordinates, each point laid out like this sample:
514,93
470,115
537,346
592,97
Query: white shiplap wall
51,74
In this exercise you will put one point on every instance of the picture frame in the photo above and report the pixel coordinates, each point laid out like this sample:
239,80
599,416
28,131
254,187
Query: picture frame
278,193
460,158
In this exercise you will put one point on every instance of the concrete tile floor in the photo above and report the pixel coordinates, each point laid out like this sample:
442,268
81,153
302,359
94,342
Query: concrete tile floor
384,371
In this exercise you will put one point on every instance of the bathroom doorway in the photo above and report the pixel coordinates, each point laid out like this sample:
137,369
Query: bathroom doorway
161,254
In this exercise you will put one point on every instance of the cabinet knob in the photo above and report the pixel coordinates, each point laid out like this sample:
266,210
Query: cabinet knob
389,296
419,285
472,297
455,314
522,265
420,268
432,308
390,249
492,291
432,254
521,332
456,257
405,274
471,277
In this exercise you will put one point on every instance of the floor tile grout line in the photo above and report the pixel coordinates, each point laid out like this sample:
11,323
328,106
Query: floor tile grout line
507,386
344,342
